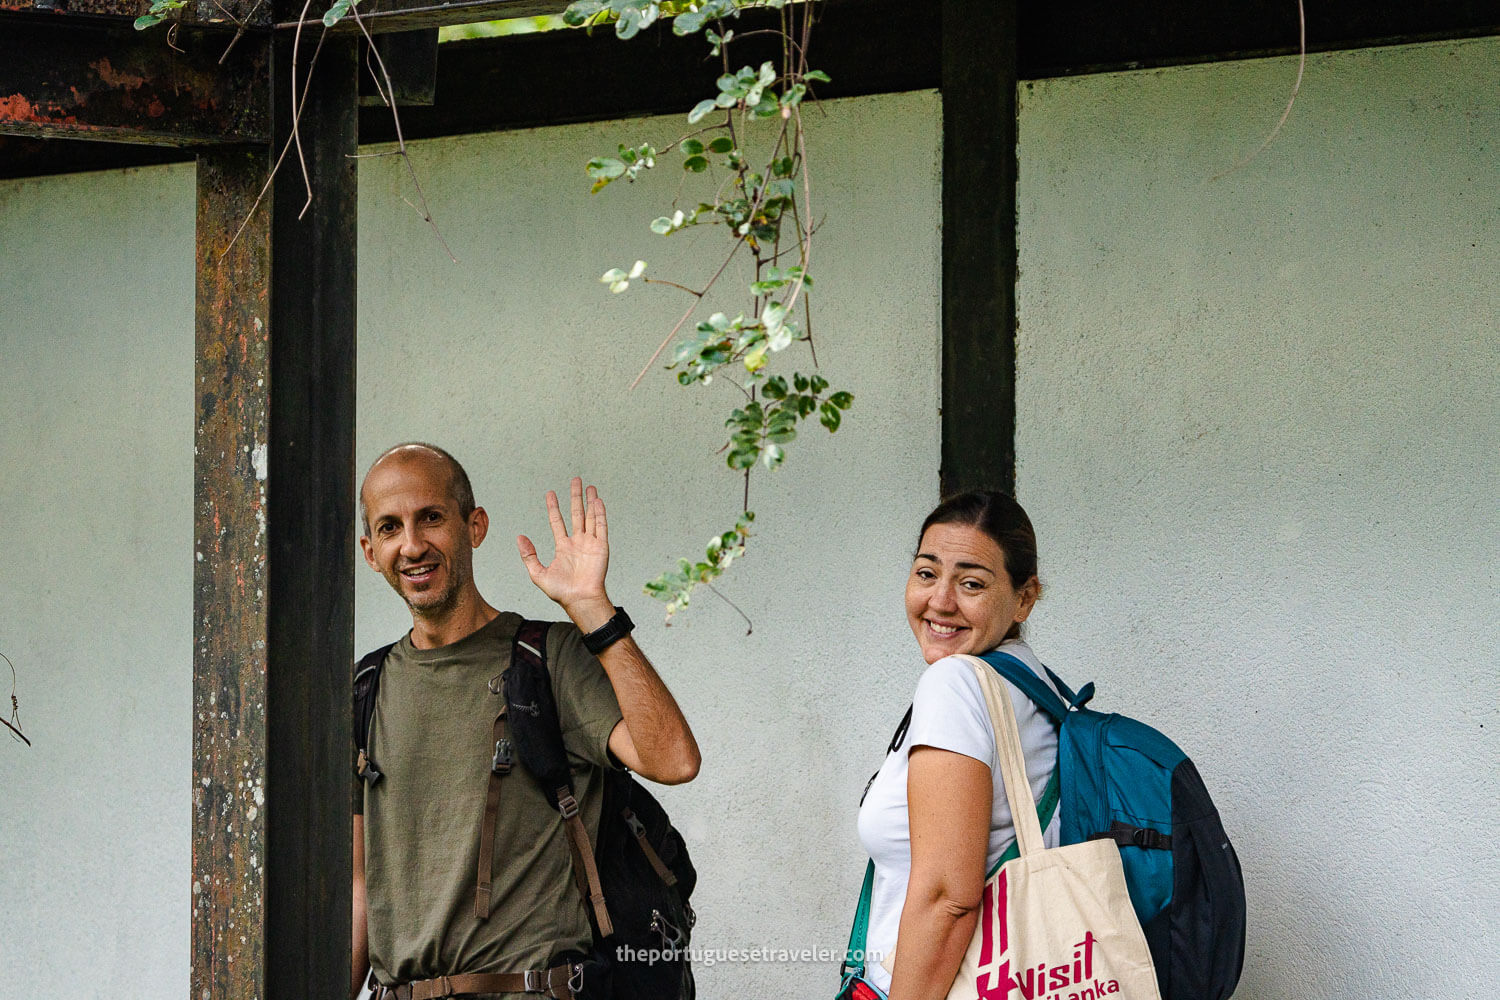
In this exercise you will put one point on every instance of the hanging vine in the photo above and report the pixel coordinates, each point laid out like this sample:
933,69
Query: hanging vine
14,723
748,145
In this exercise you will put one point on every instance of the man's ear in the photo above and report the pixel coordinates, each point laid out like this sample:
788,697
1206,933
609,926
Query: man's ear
479,526
369,551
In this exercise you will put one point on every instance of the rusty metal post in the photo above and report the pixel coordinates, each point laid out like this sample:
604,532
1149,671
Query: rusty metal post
273,580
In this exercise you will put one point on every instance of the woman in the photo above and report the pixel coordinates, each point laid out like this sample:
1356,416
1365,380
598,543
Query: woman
935,818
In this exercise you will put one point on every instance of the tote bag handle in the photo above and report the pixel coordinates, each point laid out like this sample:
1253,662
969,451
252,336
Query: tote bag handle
1012,761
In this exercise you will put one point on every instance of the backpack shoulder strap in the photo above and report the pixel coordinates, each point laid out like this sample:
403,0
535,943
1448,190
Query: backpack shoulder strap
366,687
537,733
1032,686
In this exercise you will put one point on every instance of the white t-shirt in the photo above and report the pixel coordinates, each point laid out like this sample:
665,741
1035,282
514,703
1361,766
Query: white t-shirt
948,712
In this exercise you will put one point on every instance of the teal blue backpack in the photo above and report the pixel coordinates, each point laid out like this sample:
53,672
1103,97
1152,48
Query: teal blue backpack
1124,781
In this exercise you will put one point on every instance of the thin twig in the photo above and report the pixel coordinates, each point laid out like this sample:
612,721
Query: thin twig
15,706
389,96
691,309
22,735
285,148
749,625
238,24
673,284
1296,87
297,118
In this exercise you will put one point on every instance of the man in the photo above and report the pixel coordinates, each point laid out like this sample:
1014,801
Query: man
416,829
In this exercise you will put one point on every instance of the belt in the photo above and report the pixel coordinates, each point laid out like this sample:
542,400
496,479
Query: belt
554,982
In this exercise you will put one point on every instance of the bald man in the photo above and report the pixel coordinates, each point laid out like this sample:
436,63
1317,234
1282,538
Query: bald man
415,839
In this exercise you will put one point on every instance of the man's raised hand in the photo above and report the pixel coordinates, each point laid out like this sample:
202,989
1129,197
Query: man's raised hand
575,577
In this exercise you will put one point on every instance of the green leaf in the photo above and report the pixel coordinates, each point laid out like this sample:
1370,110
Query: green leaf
843,400
742,458
727,100
722,144
775,388
816,74
691,147
699,110
661,226
336,12
688,22
580,11
800,381
818,383
605,168
696,164
147,20
829,416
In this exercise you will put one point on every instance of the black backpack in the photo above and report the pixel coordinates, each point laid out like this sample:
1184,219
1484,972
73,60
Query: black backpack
635,880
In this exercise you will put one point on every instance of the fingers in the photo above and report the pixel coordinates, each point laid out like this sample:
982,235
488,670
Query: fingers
575,504
600,526
585,511
528,556
554,517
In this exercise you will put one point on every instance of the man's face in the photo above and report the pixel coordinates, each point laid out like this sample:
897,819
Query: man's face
417,539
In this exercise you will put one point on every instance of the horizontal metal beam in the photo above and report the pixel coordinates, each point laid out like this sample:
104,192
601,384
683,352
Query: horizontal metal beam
557,77
384,16
1091,36
867,46
223,14
84,82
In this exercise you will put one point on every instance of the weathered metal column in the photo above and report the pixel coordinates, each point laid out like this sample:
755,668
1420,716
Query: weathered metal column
273,587
979,244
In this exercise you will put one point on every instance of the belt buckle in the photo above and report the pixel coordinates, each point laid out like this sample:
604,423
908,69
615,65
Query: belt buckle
533,981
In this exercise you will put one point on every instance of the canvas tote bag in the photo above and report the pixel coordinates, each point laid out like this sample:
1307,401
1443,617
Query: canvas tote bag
1054,924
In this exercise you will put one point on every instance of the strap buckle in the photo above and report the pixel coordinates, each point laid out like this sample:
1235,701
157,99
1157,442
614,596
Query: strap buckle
566,804
505,757
637,828
366,769
534,983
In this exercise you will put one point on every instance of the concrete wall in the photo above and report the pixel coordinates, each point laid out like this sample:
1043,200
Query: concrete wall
518,360
96,437
1259,427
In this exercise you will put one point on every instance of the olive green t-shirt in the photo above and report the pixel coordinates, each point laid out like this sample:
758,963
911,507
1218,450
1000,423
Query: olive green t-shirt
432,739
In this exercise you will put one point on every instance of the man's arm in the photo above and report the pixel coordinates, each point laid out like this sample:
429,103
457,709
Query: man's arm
653,739
359,959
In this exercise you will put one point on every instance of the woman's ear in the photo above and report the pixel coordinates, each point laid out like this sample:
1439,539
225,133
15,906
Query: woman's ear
1030,593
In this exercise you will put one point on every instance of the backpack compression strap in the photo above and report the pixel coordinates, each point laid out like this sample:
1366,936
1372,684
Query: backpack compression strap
500,766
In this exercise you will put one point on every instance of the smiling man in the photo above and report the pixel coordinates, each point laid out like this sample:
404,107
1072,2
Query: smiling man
416,827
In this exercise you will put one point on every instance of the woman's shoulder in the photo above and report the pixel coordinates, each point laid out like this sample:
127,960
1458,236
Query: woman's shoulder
954,676
950,677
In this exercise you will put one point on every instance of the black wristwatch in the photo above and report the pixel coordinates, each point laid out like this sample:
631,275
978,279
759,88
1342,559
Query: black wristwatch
609,633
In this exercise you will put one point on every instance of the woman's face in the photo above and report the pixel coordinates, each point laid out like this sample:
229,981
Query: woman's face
958,597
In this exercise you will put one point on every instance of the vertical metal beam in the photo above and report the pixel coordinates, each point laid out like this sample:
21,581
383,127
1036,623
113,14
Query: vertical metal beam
273,587
979,244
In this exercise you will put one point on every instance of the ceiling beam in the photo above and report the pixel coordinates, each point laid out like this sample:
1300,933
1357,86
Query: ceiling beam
119,85
867,46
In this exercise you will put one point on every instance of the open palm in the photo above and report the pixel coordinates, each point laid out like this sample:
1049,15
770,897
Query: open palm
581,556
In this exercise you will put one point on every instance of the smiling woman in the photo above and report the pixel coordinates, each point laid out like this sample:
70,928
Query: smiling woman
935,817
